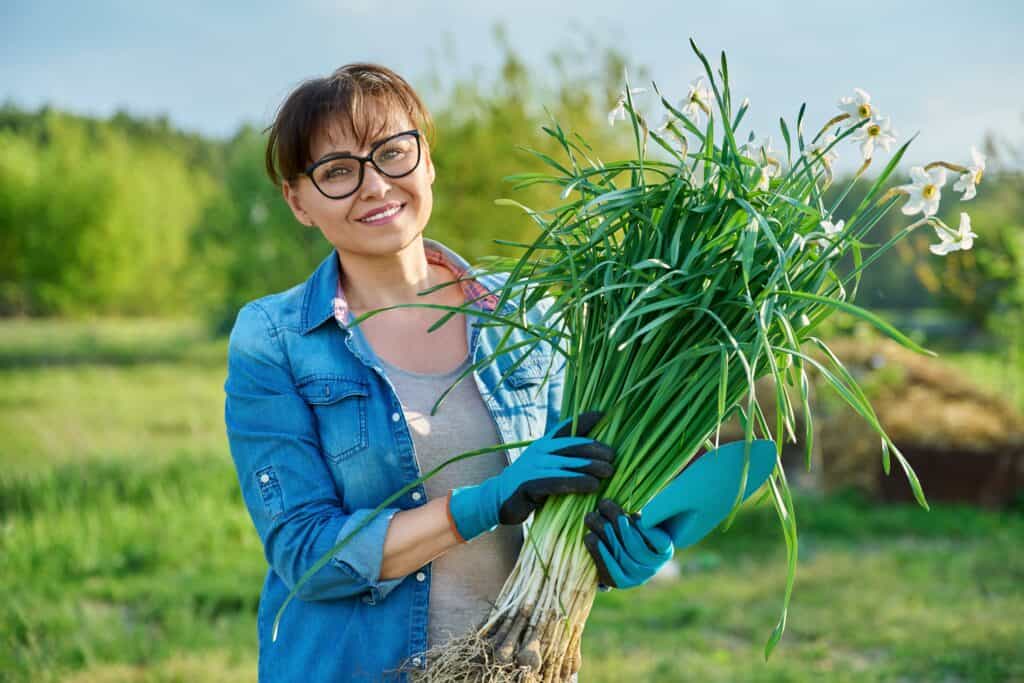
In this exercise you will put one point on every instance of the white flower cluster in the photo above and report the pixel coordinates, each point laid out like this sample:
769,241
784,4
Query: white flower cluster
925,189
699,99
878,129
873,130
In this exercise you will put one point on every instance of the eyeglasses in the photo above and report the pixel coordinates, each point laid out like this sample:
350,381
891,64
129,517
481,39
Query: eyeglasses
339,175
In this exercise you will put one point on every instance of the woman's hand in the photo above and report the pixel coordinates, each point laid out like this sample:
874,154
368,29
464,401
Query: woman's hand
626,553
629,549
555,464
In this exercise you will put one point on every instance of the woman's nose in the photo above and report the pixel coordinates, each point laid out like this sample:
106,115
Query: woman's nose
375,184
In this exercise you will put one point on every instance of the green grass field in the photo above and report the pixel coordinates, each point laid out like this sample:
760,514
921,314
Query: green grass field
126,553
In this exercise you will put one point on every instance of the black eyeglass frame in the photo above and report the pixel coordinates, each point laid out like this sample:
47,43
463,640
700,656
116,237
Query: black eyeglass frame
362,163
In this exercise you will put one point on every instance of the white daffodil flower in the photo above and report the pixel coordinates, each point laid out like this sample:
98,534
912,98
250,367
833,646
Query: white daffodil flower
858,106
764,179
963,238
769,159
698,99
812,150
663,127
619,112
925,190
972,177
877,131
831,230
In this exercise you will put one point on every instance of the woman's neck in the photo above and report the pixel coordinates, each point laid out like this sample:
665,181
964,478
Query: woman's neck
371,282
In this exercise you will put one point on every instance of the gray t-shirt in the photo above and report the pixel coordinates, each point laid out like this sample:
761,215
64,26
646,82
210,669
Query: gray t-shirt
466,580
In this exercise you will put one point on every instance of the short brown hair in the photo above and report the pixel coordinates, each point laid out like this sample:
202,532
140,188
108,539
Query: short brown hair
365,96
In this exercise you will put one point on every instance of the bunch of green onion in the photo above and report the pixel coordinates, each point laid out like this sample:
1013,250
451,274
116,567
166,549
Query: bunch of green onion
670,287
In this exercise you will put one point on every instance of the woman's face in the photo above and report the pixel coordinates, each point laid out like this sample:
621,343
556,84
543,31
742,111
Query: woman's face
342,221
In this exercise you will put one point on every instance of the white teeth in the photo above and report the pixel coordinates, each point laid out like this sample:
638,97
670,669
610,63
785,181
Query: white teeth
382,214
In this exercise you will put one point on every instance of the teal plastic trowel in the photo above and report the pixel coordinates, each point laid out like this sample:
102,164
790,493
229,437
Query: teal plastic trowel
701,497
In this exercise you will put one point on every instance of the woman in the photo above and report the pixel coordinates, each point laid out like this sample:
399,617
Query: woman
325,420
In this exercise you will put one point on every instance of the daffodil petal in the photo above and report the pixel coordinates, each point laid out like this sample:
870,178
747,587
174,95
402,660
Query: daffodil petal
919,175
867,147
913,205
977,157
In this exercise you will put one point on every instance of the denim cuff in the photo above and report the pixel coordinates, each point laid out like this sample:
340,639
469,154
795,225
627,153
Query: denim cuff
364,553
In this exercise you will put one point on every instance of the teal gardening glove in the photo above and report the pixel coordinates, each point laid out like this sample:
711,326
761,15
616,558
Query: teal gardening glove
628,549
555,464
626,553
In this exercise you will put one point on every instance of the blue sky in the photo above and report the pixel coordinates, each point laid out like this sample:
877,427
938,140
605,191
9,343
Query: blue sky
950,70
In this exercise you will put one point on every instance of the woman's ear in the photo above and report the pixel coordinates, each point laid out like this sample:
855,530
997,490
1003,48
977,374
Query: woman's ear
430,163
291,196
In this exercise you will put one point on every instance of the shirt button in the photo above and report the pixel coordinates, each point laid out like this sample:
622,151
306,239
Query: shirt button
265,478
395,417
416,495
416,661
420,576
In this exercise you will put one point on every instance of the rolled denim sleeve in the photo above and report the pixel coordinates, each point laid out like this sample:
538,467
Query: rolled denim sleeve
556,378
555,383
284,479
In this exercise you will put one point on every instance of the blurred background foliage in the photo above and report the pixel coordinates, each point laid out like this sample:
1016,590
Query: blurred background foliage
96,217
127,247
130,216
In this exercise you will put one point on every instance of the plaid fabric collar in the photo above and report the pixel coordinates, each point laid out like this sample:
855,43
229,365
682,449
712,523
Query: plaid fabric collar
435,255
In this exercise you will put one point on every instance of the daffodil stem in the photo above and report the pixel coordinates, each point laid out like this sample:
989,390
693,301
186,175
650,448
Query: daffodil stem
945,164
831,122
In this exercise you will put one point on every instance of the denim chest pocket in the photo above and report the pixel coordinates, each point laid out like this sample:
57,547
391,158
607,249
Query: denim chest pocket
340,407
528,374
529,397
526,378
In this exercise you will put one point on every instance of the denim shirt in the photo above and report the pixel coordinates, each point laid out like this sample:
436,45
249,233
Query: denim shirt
319,439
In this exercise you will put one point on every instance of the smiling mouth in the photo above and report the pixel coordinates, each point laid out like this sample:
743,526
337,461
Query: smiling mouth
382,214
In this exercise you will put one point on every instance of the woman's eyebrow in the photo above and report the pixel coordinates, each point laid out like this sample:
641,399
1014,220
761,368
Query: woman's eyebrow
345,151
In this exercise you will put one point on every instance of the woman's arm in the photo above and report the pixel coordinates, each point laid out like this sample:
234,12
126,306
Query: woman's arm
417,536
285,482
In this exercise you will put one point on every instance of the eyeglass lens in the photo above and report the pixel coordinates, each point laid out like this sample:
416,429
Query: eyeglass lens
396,157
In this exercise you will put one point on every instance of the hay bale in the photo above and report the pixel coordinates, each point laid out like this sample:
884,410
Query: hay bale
965,443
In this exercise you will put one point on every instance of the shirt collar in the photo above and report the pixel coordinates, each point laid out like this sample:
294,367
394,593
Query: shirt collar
325,298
